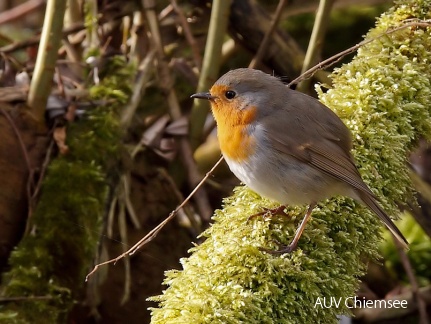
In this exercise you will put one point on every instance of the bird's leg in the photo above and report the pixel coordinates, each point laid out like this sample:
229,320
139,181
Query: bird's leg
268,212
292,246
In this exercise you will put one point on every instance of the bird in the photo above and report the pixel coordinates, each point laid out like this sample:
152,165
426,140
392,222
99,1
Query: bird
286,146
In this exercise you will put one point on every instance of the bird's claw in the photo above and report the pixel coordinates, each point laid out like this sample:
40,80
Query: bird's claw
282,248
269,212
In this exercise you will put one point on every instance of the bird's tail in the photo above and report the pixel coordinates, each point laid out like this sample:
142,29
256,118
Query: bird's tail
371,202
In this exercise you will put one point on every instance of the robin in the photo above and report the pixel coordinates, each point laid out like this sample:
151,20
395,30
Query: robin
286,146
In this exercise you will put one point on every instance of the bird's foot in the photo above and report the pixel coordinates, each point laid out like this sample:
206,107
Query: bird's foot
282,248
269,212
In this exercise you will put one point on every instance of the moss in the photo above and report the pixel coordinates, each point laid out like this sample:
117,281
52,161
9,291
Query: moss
52,261
382,96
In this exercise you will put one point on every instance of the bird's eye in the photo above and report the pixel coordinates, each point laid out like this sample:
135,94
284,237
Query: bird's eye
230,94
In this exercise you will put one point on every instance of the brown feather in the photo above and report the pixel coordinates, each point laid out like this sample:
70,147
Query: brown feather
330,154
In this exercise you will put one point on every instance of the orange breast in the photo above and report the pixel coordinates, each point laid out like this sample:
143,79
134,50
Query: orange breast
235,142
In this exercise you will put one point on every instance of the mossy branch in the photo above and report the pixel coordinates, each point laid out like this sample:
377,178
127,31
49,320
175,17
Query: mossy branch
51,261
383,96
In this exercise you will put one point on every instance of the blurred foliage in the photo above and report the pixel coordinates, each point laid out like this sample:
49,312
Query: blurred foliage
419,251
55,256
355,21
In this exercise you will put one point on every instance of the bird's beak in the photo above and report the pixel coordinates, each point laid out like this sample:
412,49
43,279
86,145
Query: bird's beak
203,95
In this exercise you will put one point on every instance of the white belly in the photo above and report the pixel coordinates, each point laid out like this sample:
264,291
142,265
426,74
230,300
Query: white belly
287,180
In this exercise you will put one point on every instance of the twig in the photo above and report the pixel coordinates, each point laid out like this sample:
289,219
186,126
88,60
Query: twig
33,194
262,48
201,197
20,140
334,59
24,298
14,93
413,282
310,6
43,169
111,215
153,233
74,56
188,34
137,38
122,226
40,86
66,31
166,83
21,10
164,13
249,22
210,67
92,28
188,211
125,182
316,40
138,89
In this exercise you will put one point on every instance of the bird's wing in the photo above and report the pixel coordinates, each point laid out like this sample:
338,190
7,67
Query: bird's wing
317,137
322,140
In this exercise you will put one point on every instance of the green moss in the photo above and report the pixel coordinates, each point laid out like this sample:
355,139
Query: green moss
382,96
52,261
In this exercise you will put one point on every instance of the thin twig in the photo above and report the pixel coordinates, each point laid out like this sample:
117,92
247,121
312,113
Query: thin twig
66,32
153,233
188,34
24,298
122,227
19,138
138,89
43,169
195,224
262,48
316,40
210,67
125,182
422,307
166,83
201,197
34,189
310,6
334,59
20,10
111,215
